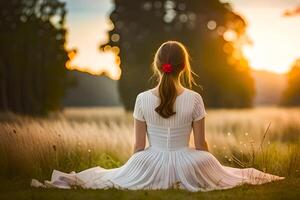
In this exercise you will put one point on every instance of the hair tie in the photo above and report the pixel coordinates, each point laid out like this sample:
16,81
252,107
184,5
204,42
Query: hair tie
167,68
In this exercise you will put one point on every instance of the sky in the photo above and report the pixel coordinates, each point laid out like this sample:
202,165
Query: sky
87,26
275,38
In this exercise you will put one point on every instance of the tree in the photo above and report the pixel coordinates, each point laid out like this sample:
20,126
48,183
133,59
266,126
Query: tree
212,33
33,76
291,95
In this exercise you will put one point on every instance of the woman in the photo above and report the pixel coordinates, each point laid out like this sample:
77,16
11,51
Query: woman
166,114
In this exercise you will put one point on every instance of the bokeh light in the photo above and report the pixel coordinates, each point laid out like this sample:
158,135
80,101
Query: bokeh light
211,25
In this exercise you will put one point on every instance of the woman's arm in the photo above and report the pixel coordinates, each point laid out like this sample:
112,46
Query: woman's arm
199,135
140,129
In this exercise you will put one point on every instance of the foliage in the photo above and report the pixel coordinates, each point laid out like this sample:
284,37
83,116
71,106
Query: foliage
291,95
211,31
33,76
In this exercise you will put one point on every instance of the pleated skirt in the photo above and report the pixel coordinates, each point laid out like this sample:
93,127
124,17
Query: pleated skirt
153,169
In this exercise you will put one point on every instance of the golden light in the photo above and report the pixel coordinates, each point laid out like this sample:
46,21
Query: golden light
109,59
231,60
115,50
276,43
211,25
71,55
237,55
107,48
118,60
228,48
259,59
221,30
88,28
230,35
275,37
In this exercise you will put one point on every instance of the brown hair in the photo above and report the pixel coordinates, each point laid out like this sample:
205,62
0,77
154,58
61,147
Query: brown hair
174,53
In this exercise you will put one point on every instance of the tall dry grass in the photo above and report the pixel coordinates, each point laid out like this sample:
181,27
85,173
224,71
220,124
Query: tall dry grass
265,138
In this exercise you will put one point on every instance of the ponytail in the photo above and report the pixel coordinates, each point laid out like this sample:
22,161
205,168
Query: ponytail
170,62
167,94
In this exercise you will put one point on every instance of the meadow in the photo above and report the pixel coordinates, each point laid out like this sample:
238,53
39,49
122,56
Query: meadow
267,138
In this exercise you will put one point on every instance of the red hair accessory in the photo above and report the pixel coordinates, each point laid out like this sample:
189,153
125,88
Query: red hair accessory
167,68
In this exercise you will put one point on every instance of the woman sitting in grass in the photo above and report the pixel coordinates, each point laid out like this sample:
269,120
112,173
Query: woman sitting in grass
166,114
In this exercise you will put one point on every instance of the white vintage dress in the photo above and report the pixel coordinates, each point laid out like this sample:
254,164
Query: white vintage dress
168,162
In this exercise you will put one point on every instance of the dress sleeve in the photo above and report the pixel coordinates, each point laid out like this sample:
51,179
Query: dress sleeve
199,109
138,112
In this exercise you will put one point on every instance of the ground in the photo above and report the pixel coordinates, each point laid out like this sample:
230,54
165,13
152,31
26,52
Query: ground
20,189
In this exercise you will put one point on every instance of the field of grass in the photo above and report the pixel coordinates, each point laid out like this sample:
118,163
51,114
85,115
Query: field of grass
265,138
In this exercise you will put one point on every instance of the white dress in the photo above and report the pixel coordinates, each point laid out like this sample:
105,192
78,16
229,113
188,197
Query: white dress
168,162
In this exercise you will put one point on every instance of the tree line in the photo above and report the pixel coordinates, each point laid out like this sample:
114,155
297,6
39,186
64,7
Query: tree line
212,33
33,76
34,79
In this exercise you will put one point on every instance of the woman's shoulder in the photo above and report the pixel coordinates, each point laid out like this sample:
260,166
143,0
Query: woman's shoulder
192,92
141,94
196,97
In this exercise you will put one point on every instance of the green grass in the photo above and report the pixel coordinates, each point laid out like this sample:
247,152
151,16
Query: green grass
19,189
78,139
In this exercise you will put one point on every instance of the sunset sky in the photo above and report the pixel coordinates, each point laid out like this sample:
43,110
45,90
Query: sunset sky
276,43
276,39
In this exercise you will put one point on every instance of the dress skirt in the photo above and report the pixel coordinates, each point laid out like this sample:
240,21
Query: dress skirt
152,169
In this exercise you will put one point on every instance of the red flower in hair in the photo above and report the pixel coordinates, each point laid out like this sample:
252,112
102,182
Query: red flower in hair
167,68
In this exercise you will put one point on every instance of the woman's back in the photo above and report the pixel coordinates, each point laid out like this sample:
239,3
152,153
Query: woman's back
173,133
188,106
